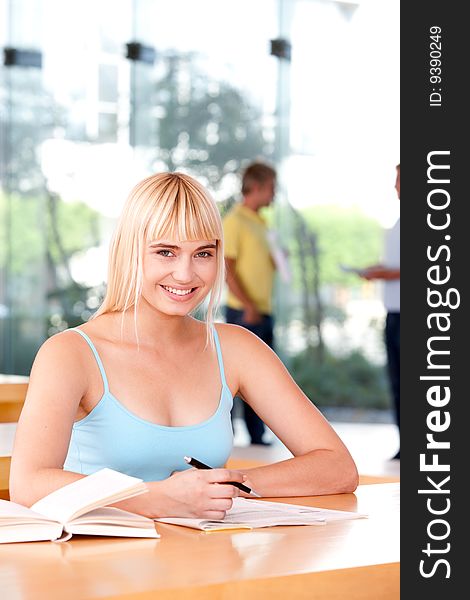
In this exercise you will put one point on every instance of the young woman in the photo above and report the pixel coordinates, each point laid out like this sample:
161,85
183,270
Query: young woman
143,383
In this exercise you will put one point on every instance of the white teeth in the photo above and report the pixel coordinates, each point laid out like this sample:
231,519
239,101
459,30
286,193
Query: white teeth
178,292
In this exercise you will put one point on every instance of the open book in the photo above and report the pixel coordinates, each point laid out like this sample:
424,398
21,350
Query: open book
249,514
78,508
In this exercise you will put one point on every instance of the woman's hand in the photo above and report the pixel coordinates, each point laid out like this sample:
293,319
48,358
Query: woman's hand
196,493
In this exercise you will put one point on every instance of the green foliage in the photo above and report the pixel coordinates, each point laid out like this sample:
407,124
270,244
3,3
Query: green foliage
206,126
42,236
345,236
30,232
78,225
24,238
350,381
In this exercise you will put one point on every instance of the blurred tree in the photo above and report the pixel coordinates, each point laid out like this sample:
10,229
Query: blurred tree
77,219
345,236
323,237
349,380
28,116
40,246
308,260
206,126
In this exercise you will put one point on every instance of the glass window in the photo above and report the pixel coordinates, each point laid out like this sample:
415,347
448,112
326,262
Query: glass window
78,133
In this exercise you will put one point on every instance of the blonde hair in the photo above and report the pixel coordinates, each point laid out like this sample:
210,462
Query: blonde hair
162,206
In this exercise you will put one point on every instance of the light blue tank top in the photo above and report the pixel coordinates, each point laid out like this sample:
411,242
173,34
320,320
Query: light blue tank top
112,436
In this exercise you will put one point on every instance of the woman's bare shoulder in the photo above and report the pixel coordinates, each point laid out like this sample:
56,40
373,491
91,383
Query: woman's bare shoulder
62,350
59,370
67,359
67,341
238,339
229,331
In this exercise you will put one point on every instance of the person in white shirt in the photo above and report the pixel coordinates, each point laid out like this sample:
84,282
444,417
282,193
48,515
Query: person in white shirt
389,272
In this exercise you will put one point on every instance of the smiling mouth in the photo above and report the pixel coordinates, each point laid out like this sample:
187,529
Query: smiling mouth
178,292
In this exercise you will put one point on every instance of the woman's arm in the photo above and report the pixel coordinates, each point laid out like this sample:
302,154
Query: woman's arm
251,313
191,493
381,272
56,385
321,464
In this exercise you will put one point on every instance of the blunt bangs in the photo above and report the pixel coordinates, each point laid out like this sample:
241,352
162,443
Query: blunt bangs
185,213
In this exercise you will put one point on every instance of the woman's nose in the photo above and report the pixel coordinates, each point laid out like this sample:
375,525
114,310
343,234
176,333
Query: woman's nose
183,271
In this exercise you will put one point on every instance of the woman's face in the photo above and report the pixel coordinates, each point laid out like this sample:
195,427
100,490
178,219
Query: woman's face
177,276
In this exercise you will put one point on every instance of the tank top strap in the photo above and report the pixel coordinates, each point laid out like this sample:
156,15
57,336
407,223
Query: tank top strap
97,357
219,357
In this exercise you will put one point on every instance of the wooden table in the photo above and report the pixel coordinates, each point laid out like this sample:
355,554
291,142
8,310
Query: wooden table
356,559
12,394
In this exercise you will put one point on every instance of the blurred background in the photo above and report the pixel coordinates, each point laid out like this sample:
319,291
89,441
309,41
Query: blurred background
95,95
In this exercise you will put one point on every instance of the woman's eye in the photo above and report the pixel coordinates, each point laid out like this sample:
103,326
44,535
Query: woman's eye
165,253
204,254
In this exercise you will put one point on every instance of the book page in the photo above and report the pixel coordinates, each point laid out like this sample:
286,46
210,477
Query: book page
12,513
203,524
114,522
103,487
249,514
30,532
20,524
110,530
115,516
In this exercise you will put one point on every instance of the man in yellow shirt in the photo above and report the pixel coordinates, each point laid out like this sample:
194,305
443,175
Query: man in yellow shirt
250,267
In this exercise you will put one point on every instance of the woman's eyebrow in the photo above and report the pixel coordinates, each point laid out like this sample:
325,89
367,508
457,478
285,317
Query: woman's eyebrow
207,246
176,247
163,245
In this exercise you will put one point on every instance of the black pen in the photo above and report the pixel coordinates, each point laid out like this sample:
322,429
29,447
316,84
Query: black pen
199,465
